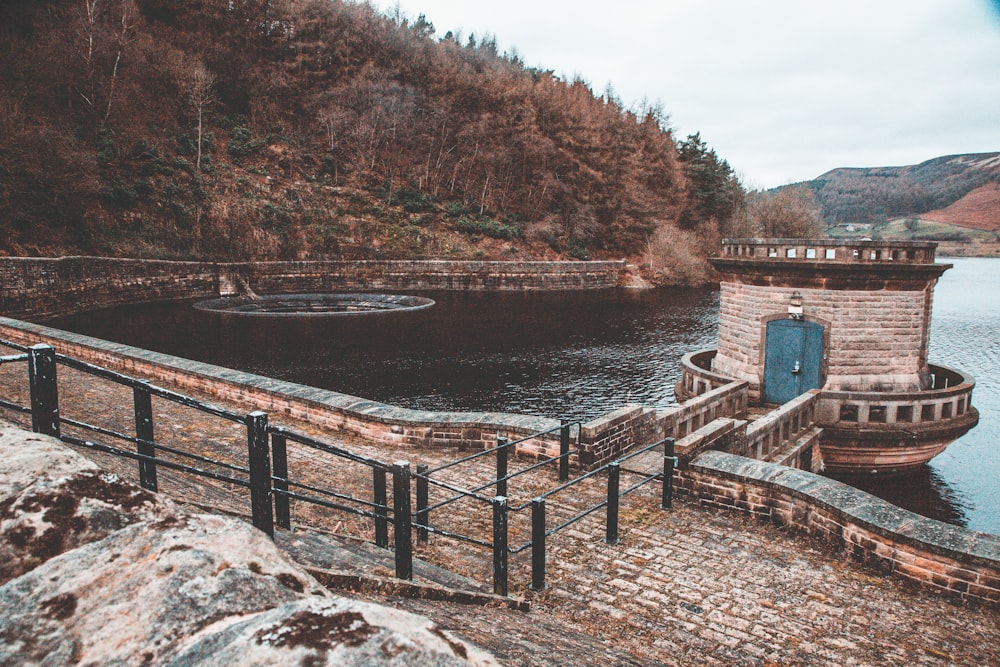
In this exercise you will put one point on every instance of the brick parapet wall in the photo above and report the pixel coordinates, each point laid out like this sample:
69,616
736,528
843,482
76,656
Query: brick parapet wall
605,439
46,287
372,420
953,560
876,340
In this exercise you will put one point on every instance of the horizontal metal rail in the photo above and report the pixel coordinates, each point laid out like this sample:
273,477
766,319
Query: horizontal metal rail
13,358
329,449
158,446
461,493
15,407
569,425
16,346
334,506
595,471
644,481
534,466
505,445
154,390
455,536
159,462
325,492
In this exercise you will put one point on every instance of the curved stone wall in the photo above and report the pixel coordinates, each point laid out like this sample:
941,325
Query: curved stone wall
953,560
45,287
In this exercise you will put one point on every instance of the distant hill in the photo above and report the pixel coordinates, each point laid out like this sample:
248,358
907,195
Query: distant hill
961,190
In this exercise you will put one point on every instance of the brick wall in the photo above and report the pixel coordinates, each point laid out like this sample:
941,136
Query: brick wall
605,439
952,560
876,340
45,287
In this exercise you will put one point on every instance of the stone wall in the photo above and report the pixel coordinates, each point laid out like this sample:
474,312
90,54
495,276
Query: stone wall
936,555
878,339
606,438
44,287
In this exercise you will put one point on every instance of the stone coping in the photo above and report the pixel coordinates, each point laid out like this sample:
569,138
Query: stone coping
965,385
365,409
832,243
860,508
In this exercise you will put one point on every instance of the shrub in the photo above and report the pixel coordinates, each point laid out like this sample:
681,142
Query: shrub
488,227
242,143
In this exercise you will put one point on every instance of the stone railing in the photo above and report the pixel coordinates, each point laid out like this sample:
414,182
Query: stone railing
949,400
830,250
779,428
953,560
697,376
729,400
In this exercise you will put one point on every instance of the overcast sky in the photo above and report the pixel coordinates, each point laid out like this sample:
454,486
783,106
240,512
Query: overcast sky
783,89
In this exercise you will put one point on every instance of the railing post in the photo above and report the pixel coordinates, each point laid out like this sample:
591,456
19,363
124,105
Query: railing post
143,408
538,544
667,500
381,507
44,390
423,515
500,550
401,519
564,451
279,459
614,474
502,467
260,472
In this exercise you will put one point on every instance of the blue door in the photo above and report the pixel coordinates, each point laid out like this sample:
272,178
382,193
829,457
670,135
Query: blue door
793,359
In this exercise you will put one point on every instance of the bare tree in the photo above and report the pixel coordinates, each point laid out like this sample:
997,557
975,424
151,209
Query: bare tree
197,83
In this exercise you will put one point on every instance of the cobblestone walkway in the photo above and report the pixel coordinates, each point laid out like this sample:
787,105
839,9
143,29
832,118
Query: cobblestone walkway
688,586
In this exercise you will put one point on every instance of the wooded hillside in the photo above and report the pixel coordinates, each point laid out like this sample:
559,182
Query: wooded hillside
875,195
307,128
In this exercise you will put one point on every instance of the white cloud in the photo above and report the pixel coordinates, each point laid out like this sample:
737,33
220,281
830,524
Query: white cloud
783,89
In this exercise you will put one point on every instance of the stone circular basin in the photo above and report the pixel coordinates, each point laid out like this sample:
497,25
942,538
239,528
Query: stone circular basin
298,305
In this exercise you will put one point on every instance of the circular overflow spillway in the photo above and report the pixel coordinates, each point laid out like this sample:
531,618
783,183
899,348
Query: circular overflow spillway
337,304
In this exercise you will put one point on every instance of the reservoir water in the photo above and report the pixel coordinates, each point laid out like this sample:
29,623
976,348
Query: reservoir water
572,354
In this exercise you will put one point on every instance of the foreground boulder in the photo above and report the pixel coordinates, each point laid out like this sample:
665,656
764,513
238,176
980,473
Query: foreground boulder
106,573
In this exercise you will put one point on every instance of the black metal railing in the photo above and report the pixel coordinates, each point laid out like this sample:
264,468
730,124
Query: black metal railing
501,507
272,488
269,491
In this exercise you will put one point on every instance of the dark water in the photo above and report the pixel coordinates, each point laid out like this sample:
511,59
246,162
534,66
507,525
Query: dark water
576,355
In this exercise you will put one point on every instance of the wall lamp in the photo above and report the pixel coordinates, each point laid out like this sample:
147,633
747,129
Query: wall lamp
795,306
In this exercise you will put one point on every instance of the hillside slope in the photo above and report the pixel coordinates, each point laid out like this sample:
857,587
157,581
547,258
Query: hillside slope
980,209
874,195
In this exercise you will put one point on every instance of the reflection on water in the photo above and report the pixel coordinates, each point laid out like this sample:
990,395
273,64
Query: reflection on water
576,355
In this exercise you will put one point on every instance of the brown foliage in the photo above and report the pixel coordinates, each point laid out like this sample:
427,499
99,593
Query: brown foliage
311,98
